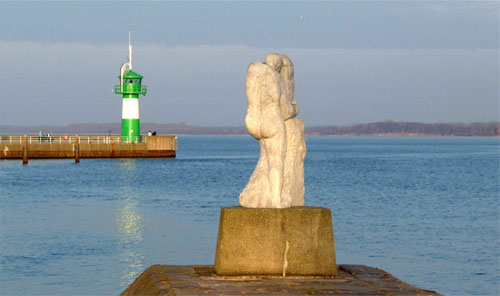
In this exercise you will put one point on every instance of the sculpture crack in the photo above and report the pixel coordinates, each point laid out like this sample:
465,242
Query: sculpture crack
285,261
278,178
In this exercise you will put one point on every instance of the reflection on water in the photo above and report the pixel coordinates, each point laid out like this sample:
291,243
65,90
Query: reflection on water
130,223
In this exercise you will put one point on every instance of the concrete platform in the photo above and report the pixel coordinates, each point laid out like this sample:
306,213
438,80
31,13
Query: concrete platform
202,280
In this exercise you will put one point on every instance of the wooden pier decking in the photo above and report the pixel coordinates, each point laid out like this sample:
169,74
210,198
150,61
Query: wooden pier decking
86,146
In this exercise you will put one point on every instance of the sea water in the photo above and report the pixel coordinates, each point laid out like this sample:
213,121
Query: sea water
424,209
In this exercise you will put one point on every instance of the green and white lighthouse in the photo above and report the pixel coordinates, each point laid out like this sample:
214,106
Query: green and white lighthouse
130,87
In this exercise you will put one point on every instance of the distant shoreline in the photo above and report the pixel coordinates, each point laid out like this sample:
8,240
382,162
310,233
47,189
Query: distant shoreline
406,136
350,135
376,129
307,135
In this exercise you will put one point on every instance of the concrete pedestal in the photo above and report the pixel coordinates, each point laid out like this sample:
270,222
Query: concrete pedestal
295,241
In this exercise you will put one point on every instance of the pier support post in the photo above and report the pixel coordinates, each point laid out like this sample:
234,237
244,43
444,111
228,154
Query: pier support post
77,150
25,150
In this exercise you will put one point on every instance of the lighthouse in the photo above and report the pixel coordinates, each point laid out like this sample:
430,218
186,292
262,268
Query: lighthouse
130,87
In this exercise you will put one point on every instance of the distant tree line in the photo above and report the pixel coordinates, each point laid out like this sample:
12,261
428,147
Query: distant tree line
484,129
401,128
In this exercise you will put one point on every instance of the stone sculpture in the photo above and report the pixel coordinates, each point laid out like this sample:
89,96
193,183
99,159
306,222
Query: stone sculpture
278,178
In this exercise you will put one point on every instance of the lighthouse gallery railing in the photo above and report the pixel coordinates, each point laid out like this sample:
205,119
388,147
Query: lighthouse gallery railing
142,91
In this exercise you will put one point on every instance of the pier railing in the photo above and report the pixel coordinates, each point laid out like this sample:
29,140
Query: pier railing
66,139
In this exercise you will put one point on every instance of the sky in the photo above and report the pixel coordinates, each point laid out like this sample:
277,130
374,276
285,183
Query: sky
355,61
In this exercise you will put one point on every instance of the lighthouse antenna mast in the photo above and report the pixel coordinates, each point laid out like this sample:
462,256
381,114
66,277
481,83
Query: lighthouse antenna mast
129,64
130,48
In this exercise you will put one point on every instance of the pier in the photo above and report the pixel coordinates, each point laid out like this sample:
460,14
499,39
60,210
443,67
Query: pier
86,146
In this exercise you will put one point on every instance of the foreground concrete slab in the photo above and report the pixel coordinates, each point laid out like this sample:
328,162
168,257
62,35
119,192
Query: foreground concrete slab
202,280
292,241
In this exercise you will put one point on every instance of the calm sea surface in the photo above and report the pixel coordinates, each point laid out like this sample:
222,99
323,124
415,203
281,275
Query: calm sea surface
423,209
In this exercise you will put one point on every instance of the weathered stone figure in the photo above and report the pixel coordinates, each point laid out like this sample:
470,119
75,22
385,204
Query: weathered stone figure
278,179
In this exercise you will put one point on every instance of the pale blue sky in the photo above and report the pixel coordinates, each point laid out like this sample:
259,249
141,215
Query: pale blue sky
362,61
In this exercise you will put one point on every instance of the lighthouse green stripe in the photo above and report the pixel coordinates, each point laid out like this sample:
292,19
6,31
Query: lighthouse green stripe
130,96
131,130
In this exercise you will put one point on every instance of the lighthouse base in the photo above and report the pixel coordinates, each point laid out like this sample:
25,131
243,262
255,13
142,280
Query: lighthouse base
131,130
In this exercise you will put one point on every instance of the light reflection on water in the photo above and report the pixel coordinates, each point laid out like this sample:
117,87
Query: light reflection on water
130,224
130,229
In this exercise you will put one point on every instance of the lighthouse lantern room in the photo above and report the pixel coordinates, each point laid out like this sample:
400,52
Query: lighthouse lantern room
130,87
